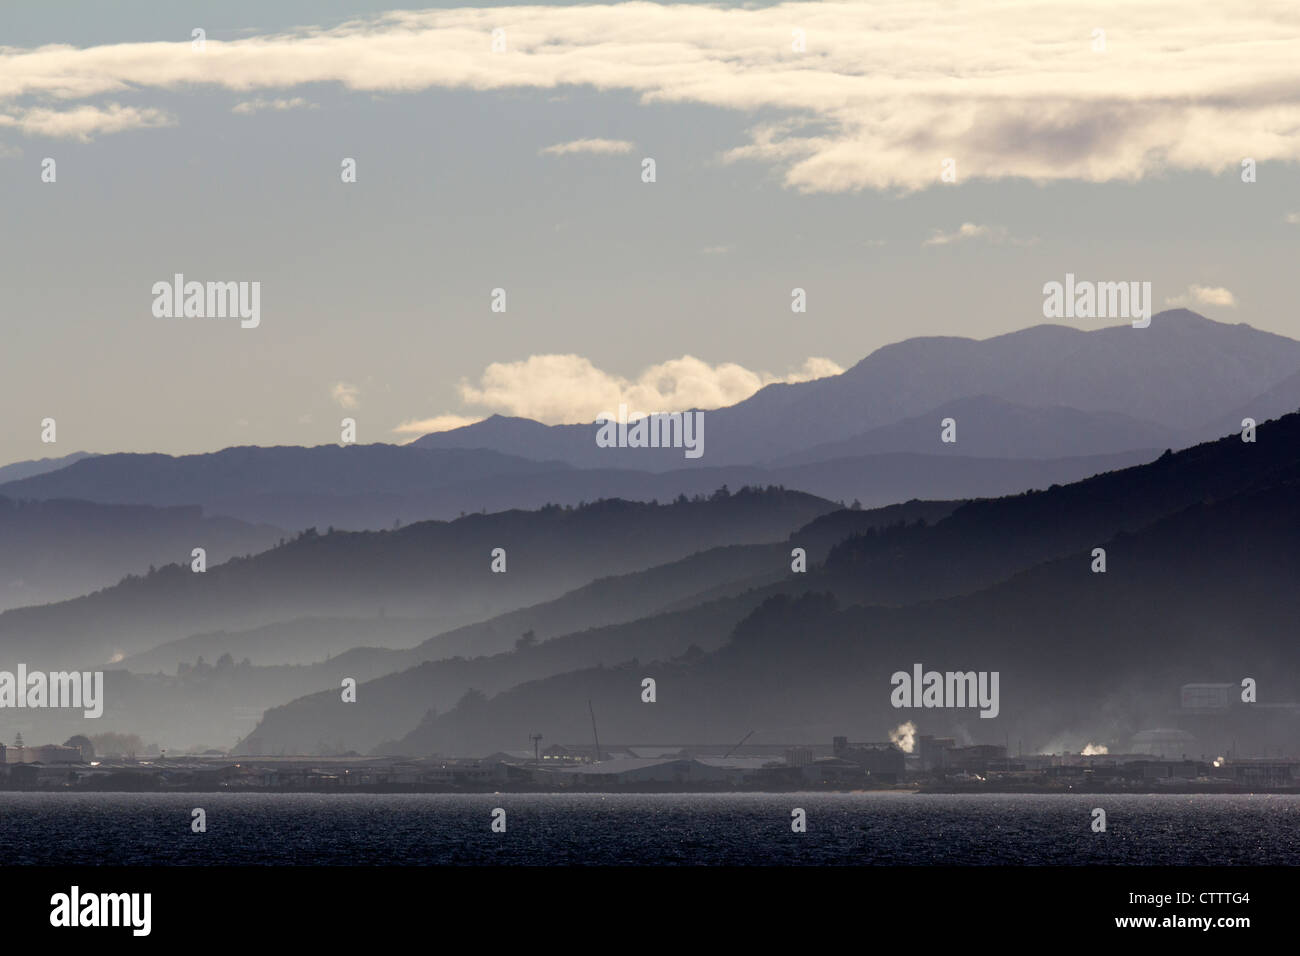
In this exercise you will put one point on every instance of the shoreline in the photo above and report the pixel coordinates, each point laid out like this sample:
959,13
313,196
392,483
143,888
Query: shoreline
924,790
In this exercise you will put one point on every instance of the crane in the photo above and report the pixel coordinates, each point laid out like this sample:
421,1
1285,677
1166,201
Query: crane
738,746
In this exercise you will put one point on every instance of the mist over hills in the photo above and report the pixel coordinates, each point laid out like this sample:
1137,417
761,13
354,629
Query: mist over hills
185,706
57,549
223,702
798,659
388,705
908,554
1059,445
402,643
272,665
439,571
1206,594
652,613
299,641
1165,500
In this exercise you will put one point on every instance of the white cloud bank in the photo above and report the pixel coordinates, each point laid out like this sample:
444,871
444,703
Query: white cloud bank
997,235
278,104
346,394
83,122
416,427
884,92
568,389
598,147
1204,295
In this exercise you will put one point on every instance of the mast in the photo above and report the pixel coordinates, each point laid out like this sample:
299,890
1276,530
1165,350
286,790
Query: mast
594,736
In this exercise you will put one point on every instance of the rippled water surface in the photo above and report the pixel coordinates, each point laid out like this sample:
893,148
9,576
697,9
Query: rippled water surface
681,829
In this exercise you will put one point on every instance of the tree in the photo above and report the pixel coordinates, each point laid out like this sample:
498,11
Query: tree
117,744
472,700
83,744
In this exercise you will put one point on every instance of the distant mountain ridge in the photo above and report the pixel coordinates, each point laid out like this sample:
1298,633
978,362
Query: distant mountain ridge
58,549
39,466
375,486
1178,376
287,485
1045,405
1001,429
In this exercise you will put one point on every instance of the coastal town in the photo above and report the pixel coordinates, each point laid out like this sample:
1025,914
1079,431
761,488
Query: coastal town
935,765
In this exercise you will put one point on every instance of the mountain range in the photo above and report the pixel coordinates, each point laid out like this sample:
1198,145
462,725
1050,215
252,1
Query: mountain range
765,585
1115,388
1204,594
897,559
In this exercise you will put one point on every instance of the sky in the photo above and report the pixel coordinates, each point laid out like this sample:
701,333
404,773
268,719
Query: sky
1102,139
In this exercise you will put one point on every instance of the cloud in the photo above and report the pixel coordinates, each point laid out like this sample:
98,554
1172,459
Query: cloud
885,92
84,122
997,235
347,396
568,389
967,230
440,423
279,105
1204,295
599,147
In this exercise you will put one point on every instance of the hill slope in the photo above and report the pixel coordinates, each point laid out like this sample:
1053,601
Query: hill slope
440,571
57,549
1093,653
